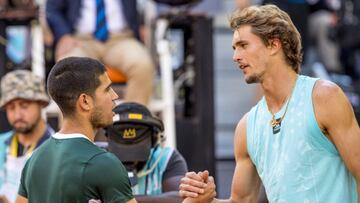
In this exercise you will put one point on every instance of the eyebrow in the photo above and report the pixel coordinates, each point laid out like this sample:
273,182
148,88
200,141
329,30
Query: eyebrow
238,43
108,87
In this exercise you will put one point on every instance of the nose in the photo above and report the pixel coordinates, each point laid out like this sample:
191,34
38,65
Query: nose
17,112
236,56
114,95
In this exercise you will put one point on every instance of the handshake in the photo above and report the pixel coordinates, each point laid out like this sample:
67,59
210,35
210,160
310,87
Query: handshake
197,188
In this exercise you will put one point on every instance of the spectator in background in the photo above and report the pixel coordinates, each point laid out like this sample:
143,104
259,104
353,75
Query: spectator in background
107,30
348,36
135,138
23,97
322,20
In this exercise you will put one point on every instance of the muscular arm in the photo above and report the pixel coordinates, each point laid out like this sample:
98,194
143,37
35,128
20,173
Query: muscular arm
246,181
337,120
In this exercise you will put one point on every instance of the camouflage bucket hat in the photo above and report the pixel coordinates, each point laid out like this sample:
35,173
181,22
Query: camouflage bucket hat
22,84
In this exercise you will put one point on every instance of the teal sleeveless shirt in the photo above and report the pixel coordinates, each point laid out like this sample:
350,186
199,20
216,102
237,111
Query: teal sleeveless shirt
299,163
151,184
3,151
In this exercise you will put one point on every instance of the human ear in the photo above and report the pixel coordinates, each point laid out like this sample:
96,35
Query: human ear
274,46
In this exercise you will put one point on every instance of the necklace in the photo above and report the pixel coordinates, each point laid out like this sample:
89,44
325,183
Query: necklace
276,123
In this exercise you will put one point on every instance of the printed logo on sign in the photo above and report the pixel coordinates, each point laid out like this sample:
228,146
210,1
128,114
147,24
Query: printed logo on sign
129,133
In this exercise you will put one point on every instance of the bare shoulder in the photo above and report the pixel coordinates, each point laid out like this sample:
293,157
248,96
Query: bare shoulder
242,122
330,104
240,145
324,90
241,126
328,96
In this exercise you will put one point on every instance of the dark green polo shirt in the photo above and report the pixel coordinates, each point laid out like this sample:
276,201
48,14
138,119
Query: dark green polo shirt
74,170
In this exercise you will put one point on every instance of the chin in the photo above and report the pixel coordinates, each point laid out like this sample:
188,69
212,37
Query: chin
103,124
108,123
24,131
250,80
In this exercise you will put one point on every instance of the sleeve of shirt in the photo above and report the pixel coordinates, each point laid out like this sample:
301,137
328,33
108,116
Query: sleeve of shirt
107,175
176,166
55,16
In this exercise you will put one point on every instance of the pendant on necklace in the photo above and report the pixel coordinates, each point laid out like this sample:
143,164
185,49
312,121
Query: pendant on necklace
276,125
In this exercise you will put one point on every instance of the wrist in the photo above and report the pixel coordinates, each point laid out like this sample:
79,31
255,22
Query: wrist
191,200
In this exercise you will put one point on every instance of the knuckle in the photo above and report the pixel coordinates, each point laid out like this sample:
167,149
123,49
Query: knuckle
190,173
190,188
184,180
192,182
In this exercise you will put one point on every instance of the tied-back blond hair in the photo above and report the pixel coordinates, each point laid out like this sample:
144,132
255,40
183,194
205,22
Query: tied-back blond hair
269,22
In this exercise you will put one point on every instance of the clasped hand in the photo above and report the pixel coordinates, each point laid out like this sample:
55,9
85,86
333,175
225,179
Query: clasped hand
197,187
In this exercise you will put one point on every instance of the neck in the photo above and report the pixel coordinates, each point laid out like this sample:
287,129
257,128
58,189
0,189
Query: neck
278,87
76,125
34,136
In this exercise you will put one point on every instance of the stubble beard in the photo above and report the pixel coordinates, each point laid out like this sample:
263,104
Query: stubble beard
252,79
255,78
97,120
29,128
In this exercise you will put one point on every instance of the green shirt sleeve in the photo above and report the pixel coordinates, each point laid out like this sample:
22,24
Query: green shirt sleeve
106,175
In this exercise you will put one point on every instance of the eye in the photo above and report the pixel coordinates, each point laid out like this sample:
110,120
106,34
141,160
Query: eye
9,107
108,88
24,105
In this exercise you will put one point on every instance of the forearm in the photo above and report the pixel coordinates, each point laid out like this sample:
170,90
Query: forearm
167,197
232,201
222,201
191,200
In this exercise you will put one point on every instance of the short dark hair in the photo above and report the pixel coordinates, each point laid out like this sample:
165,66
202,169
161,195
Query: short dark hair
71,77
269,22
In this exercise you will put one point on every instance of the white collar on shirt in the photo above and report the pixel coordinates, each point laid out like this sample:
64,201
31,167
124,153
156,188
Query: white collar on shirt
68,136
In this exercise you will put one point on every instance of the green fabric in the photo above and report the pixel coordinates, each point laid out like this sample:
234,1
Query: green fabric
74,170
